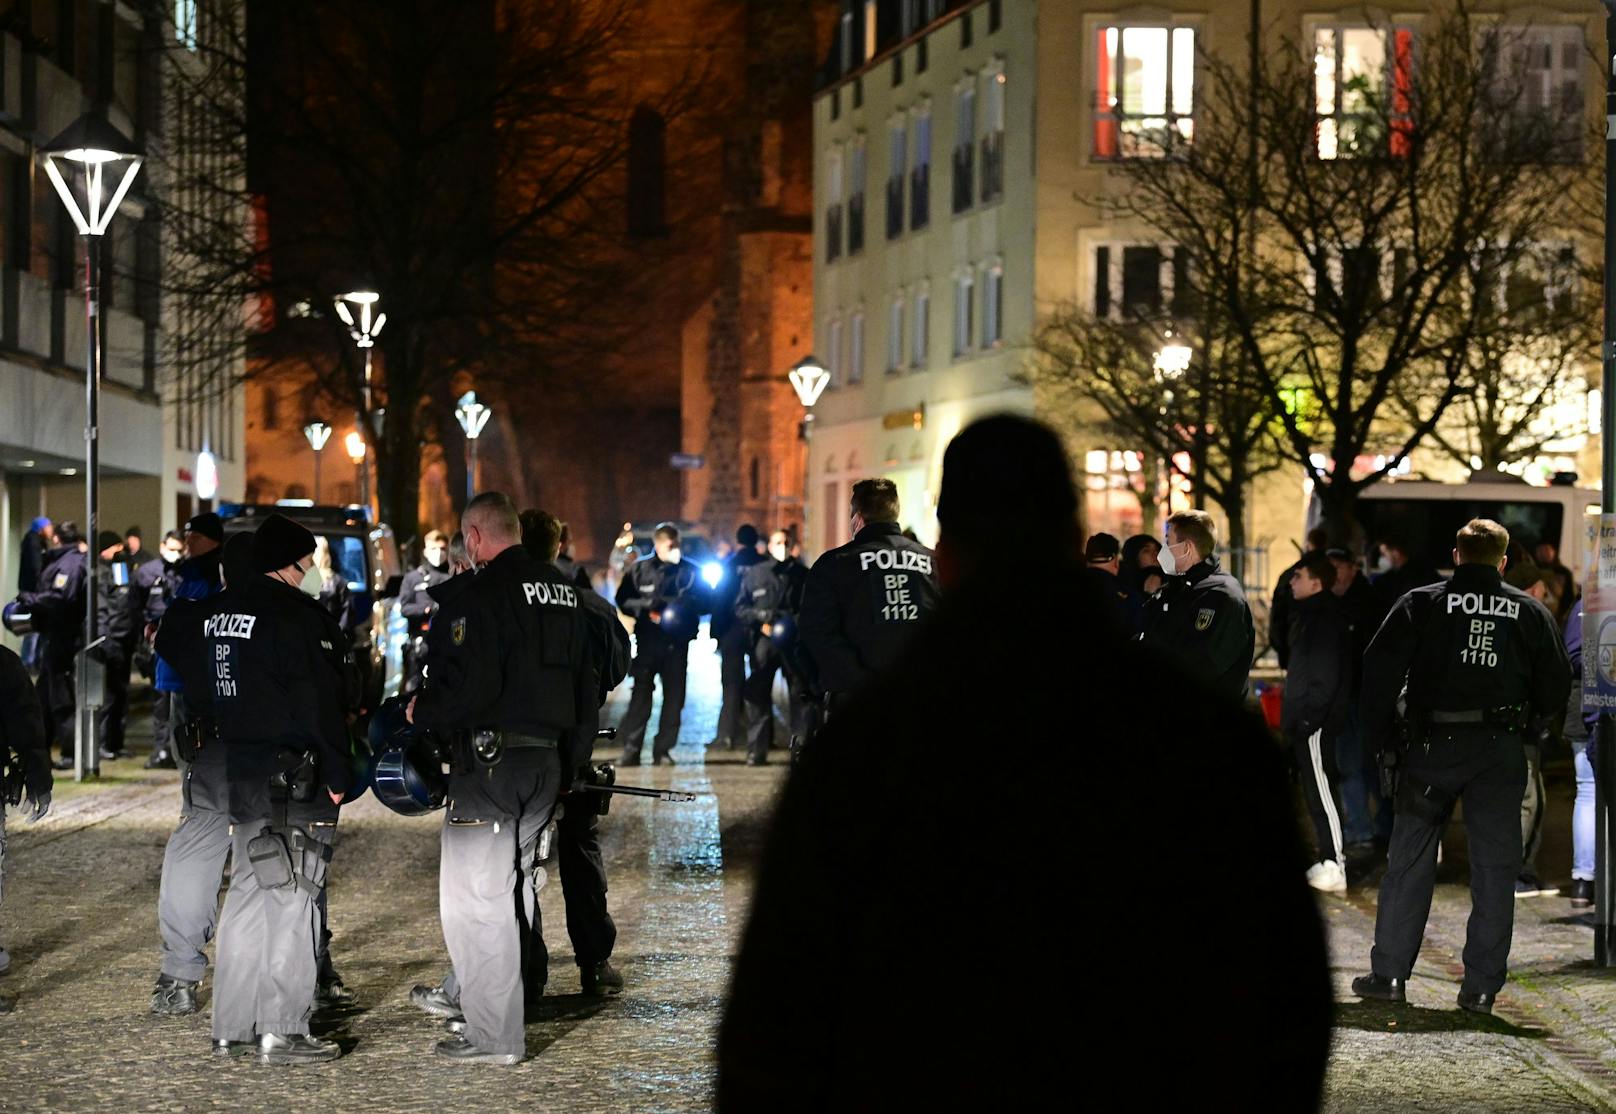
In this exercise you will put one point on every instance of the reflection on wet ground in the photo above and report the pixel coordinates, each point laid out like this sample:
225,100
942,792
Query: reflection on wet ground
80,921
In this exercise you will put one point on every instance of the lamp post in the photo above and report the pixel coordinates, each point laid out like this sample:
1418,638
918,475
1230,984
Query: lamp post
1605,772
472,416
318,434
354,443
92,166
809,379
357,308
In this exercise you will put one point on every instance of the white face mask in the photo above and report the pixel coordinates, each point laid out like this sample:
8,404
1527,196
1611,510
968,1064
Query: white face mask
312,581
674,556
434,556
172,555
1169,562
778,551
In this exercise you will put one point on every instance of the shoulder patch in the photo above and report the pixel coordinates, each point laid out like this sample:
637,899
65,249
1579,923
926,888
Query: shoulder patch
457,631
60,581
1203,618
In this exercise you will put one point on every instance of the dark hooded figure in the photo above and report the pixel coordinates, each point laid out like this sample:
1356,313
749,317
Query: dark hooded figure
909,849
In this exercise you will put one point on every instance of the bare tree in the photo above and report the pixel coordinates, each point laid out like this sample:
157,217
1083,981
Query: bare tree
1339,206
465,158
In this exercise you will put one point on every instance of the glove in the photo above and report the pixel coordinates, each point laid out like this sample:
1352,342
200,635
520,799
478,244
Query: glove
41,803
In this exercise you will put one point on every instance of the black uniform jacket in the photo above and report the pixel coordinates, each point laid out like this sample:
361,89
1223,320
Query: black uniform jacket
674,591
1318,684
609,658
118,614
511,651
872,840
58,602
1202,620
22,724
157,583
770,592
273,660
1471,644
1124,600
415,600
727,594
863,603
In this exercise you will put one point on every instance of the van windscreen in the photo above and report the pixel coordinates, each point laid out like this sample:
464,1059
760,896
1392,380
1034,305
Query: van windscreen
1427,526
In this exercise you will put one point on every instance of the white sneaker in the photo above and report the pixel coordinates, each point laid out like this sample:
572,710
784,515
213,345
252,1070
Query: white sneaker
1327,876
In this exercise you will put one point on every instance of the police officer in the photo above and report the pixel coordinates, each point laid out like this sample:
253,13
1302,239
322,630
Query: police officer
119,626
664,595
1200,617
415,600
766,608
1475,660
25,756
279,696
734,639
864,600
193,859
513,679
57,604
157,583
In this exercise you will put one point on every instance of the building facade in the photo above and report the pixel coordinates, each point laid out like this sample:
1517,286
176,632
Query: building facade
59,59
963,151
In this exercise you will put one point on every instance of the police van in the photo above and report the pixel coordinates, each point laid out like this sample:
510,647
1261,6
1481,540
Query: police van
367,555
1425,516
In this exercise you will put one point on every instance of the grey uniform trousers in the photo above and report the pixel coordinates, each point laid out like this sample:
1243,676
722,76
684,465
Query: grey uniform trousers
269,940
193,867
1485,768
490,832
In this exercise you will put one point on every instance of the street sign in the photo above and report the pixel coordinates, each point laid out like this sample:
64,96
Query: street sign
1599,619
687,462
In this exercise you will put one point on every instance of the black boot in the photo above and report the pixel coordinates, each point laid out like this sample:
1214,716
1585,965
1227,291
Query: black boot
1380,988
600,980
1476,1001
173,997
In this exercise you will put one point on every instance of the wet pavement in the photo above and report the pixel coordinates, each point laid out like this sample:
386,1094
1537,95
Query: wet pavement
80,921
79,918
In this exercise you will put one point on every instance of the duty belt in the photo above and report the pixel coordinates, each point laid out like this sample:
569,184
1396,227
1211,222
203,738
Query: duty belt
508,740
1510,717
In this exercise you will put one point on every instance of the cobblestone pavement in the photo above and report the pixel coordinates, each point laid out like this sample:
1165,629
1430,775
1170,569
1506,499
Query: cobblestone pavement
79,920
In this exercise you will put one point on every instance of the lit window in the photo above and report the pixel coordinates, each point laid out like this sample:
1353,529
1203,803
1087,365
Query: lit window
1144,91
993,137
855,358
185,23
895,334
964,310
920,346
1362,92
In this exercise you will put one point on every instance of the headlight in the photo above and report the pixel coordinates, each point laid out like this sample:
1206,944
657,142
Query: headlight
712,572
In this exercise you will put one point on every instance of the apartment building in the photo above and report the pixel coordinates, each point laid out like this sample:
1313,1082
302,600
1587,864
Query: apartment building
963,153
59,59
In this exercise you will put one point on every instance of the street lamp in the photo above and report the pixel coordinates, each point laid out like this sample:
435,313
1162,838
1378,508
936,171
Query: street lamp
357,308
809,378
1173,358
92,166
472,416
318,434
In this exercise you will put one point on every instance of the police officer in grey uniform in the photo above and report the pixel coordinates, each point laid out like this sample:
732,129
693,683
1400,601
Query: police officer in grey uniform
279,696
863,601
1476,661
515,679
193,860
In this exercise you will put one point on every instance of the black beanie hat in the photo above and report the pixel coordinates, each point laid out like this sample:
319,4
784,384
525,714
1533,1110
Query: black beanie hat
280,542
105,540
237,559
747,535
208,524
